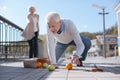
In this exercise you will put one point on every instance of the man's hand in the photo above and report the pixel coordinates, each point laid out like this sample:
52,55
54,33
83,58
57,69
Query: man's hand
75,59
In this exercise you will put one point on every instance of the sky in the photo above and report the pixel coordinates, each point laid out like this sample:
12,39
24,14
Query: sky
81,12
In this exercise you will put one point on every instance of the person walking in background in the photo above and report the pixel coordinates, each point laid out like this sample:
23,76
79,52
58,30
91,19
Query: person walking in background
31,32
65,33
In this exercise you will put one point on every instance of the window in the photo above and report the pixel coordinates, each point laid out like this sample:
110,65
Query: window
111,46
101,46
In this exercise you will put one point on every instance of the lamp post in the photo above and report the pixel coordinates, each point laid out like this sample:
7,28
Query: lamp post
103,13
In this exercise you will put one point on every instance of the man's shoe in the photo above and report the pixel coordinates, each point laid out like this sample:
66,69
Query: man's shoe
56,66
81,64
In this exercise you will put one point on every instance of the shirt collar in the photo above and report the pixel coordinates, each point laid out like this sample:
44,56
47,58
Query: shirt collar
61,28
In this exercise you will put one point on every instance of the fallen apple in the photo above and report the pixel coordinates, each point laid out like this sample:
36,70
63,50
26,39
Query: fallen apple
45,65
51,67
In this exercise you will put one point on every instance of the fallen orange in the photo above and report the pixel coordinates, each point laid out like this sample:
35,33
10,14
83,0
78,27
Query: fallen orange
39,64
69,66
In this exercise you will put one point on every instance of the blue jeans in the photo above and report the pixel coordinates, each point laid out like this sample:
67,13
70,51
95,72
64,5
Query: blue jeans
60,48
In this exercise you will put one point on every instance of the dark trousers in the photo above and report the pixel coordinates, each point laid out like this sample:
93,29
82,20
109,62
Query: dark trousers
33,44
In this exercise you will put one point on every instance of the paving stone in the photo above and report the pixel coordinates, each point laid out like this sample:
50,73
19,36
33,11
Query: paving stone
52,79
34,75
81,79
108,78
56,74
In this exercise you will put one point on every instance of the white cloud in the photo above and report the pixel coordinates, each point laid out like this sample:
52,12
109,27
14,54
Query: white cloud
4,8
85,26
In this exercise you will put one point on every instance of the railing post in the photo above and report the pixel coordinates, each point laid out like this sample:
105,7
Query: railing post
6,51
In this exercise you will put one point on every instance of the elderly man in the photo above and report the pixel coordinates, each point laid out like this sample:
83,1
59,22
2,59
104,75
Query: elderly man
60,34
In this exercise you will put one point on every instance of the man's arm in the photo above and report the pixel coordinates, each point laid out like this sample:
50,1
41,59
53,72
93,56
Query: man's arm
77,39
51,47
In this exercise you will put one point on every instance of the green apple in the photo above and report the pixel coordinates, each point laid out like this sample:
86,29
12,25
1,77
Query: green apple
45,65
51,67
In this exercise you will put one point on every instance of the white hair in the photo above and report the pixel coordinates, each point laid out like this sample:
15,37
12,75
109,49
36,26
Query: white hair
52,16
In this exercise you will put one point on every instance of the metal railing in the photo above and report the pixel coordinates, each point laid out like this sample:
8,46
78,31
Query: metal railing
12,44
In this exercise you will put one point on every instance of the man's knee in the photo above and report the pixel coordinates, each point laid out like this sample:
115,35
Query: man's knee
89,44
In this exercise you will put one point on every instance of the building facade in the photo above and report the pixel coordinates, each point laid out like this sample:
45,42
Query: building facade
117,10
110,46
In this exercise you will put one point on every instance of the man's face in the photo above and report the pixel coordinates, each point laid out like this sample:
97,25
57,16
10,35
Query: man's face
54,26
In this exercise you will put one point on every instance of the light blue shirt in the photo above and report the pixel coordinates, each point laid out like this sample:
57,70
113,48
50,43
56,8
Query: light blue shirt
61,28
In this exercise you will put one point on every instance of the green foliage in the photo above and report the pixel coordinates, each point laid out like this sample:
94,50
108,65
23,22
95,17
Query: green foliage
110,31
115,31
89,35
42,37
70,49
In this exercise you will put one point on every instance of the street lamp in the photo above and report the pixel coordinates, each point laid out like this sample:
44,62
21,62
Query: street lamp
102,13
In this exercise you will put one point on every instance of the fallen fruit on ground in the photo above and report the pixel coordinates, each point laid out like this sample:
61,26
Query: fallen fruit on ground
96,70
69,66
43,60
39,64
45,65
51,67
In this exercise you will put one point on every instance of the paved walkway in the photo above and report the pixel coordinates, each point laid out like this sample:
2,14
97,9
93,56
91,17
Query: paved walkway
111,70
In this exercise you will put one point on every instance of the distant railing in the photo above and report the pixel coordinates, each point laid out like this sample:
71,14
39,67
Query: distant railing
12,44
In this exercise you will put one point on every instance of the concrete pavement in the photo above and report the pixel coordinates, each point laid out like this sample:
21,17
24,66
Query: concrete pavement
111,70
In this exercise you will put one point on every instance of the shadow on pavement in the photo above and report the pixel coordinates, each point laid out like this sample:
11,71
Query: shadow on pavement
21,73
106,67
115,69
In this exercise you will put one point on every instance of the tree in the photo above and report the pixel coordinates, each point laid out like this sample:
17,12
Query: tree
115,31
